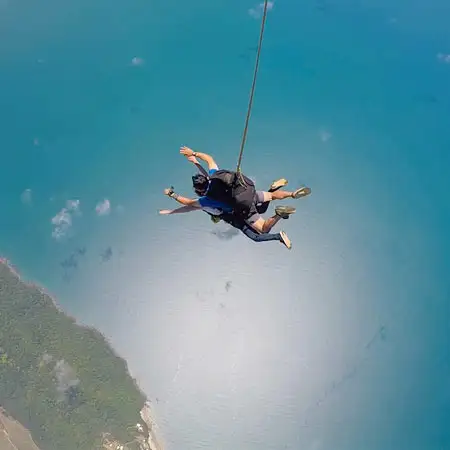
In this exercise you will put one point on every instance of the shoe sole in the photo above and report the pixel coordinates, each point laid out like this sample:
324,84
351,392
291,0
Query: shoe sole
278,184
285,240
302,192
284,210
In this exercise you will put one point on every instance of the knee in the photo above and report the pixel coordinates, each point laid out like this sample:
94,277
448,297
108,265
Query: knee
259,226
265,228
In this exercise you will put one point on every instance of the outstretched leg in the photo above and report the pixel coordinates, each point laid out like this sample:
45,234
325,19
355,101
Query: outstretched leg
274,193
298,193
253,233
266,237
278,184
263,198
265,225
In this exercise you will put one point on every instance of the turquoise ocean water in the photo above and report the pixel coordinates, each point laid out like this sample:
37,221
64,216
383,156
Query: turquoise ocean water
342,343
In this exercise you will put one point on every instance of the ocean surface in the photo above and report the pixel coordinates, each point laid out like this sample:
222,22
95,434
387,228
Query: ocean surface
342,343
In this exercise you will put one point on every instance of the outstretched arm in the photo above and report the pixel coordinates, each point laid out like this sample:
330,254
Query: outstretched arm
186,201
183,200
182,209
186,151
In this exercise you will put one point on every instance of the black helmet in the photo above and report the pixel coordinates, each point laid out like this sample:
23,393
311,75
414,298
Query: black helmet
200,183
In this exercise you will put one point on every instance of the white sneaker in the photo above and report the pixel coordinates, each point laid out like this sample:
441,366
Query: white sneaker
285,240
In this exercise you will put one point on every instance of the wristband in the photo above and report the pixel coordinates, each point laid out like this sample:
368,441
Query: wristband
173,195
194,154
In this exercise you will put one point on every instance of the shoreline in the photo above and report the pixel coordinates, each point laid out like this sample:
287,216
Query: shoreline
15,271
153,439
41,289
145,412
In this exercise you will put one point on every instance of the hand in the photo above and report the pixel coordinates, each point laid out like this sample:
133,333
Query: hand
192,159
186,151
168,191
164,212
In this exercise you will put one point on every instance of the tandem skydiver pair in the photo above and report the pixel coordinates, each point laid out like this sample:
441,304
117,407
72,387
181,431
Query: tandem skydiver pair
232,197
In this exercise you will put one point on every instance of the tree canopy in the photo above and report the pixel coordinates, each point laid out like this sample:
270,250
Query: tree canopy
61,380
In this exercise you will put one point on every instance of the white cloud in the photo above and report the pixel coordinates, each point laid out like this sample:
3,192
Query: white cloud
73,205
325,135
103,208
137,61
46,358
63,220
61,223
26,196
257,11
445,58
65,378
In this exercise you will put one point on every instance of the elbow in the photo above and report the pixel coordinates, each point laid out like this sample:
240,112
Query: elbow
210,161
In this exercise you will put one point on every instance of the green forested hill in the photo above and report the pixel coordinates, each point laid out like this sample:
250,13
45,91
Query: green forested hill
60,380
